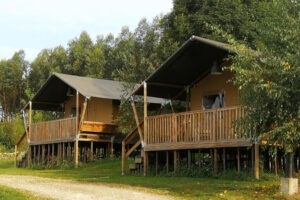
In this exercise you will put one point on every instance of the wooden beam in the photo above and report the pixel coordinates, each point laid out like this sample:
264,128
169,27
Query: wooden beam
83,113
76,130
238,157
145,113
167,161
189,159
175,161
123,158
30,121
215,161
132,148
167,85
43,153
256,160
224,159
92,151
16,155
94,140
136,119
145,163
156,163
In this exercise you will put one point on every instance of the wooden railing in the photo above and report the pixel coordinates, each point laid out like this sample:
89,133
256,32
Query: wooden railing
195,126
51,131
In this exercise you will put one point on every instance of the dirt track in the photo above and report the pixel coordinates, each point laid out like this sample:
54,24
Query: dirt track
71,190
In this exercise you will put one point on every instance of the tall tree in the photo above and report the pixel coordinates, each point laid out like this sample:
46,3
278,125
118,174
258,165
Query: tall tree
12,73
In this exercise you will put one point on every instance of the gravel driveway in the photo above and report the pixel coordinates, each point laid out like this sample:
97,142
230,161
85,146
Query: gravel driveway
72,190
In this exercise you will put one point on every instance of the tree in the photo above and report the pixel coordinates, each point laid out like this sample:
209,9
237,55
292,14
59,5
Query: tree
12,73
268,79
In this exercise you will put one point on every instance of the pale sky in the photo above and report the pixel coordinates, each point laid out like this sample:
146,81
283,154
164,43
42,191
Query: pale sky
33,25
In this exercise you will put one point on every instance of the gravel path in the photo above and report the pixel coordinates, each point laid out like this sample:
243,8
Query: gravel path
72,190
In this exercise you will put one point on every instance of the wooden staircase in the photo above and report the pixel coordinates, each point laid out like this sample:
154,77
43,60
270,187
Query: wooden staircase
132,138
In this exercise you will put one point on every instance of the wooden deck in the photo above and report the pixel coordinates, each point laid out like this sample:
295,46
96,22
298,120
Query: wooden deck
197,129
64,130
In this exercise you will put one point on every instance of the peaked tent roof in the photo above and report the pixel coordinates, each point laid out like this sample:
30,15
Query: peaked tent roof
59,87
191,62
54,92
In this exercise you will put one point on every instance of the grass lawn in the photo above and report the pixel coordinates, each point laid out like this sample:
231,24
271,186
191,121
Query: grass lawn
7,193
222,187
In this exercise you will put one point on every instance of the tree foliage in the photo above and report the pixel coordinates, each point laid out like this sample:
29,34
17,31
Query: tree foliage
268,79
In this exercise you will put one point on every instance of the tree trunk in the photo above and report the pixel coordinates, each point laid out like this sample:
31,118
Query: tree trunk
289,167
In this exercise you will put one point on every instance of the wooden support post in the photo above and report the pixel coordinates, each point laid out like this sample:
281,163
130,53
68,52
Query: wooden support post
29,121
136,117
84,154
256,160
43,153
238,157
189,159
53,151
16,155
39,154
63,151
34,154
156,163
145,163
48,152
199,158
76,129
224,159
92,151
167,161
215,161
124,158
69,152
175,161
29,156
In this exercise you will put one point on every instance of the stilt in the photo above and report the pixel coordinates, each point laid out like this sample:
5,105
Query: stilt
175,161
92,151
224,159
215,161
29,156
238,157
69,152
43,153
76,148
145,163
156,163
189,159
39,154
48,152
199,158
123,157
34,153
167,161
256,160
53,151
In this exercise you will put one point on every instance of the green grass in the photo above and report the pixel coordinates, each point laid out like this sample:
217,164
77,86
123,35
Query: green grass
222,187
7,193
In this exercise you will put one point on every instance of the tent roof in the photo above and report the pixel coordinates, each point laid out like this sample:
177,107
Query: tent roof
191,62
54,92
59,87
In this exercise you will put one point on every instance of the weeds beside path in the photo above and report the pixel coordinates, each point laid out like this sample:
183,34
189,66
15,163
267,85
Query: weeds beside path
73,190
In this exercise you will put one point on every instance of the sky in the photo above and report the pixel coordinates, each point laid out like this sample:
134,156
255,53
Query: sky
34,25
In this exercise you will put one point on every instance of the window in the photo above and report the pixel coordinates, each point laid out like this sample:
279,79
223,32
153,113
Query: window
73,112
213,101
